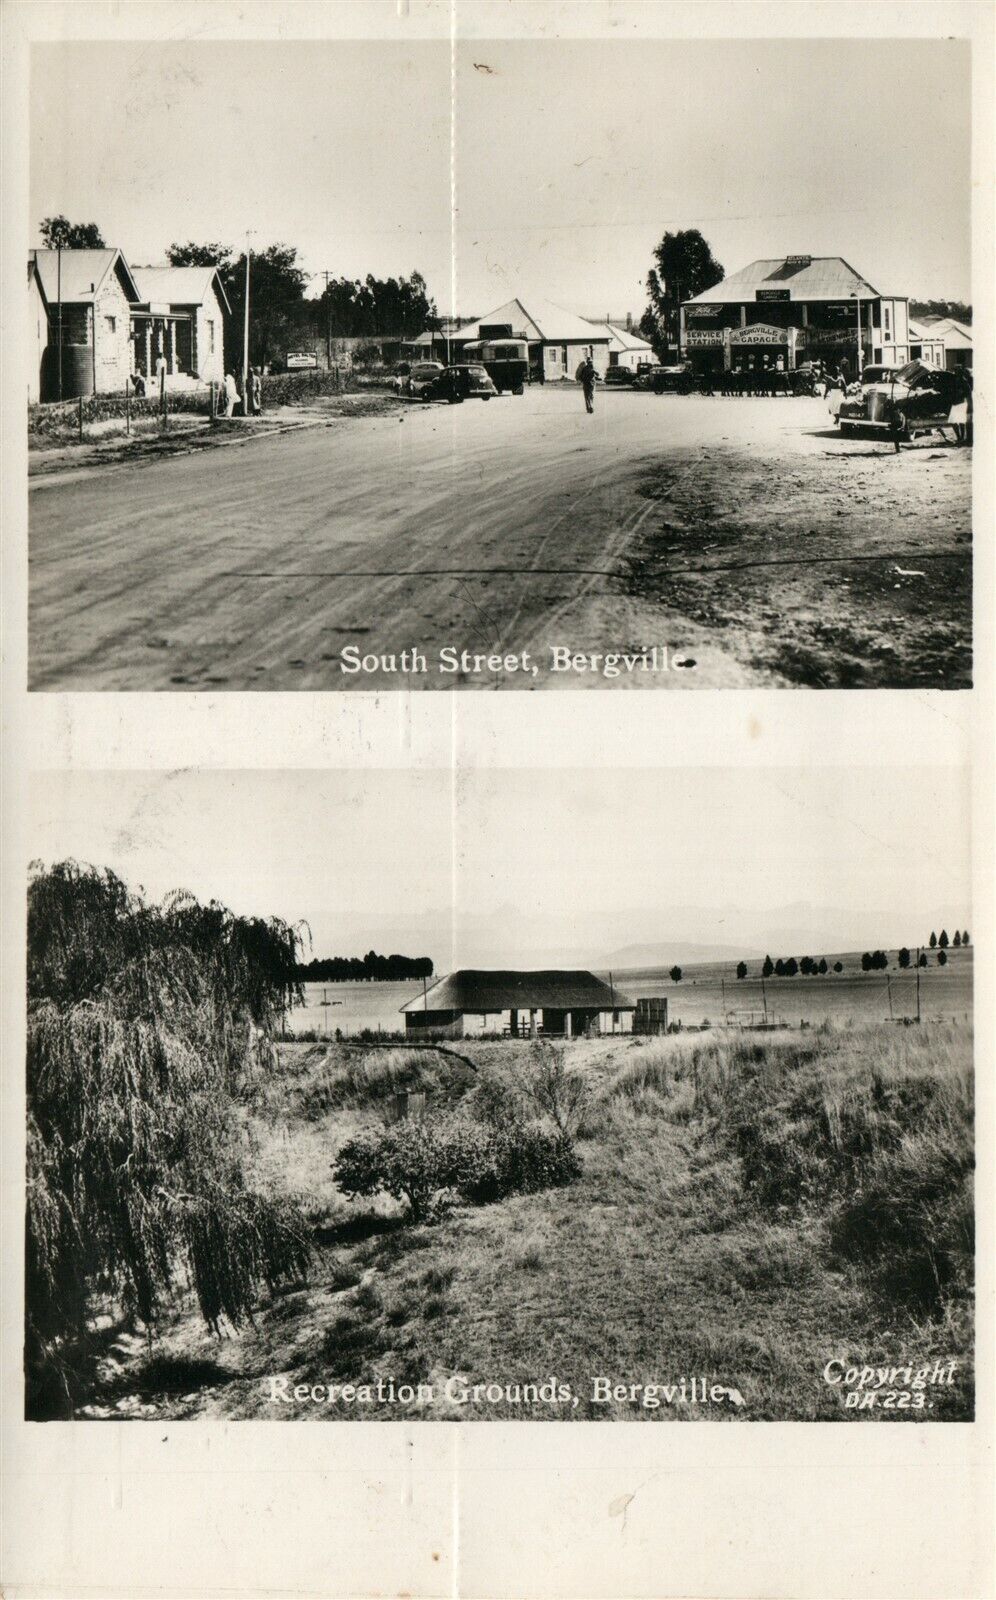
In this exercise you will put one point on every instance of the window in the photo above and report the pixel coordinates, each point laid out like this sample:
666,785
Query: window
210,334
112,324
887,315
615,1018
554,355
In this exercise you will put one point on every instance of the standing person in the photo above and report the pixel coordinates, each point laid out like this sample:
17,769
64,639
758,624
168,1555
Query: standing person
231,394
586,375
256,391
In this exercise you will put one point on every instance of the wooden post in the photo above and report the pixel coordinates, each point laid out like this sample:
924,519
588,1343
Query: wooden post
127,405
81,417
162,395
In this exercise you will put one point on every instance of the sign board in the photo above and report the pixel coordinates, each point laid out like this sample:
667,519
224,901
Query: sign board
760,333
798,261
815,336
496,330
301,358
703,335
698,312
772,294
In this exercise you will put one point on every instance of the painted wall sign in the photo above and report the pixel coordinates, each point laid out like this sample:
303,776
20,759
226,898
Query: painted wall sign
703,336
760,333
772,294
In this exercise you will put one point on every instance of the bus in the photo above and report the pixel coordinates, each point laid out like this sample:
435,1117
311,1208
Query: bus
506,361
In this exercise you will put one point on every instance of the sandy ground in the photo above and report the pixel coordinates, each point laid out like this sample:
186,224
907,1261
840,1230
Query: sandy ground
741,537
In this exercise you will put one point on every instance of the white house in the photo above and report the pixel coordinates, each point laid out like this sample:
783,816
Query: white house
519,1003
181,321
957,338
926,344
626,348
558,340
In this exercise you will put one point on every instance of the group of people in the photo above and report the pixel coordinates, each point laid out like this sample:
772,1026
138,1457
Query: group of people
248,398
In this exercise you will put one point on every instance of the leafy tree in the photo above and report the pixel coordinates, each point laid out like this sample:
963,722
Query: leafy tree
922,962
779,968
943,939
398,307
791,967
676,974
202,255
933,941
838,966
60,232
956,941
277,309
741,969
866,961
768,967
145,1024
806,966
960,310
942,958
965,939
683,266
904,957
823,964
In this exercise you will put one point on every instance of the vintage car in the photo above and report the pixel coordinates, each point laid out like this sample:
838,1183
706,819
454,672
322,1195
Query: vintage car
621,377
906,401
459,383
674,380
506,362
420,375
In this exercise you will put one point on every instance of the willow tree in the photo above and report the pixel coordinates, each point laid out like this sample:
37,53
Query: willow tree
146,1023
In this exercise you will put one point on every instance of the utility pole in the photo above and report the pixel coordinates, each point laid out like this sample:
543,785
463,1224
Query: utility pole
918,983
58,291
328,321
246,385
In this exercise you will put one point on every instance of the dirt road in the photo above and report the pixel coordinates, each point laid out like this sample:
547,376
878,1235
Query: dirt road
413,543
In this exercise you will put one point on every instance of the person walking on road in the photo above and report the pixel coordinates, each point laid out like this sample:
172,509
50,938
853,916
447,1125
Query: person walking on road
586,376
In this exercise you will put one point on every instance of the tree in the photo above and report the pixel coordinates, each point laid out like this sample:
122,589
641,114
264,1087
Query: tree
838,966
943,939
866,961
933,941
683,266
942,958
823,965
202,255
779,968
58,232
278,312
768,967
791,967
922,962
676,974
904,957
398,307
806,966
145,1025
956,941
965,939
741,970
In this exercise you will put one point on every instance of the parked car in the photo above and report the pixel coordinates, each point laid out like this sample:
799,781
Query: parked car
621,377
506,361
674,380
907,401
421,375
459,383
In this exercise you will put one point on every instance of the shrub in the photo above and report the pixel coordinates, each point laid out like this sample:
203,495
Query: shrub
423,1162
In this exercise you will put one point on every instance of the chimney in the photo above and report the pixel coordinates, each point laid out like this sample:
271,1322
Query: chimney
629,322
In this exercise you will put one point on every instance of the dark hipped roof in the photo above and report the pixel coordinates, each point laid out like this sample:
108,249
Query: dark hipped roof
472,990
806,278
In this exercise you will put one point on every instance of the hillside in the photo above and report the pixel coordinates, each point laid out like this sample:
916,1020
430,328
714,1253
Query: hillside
748,1209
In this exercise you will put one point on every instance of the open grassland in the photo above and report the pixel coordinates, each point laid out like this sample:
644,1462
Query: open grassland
750,1207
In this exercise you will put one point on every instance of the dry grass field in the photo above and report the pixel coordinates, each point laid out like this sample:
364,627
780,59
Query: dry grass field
750,1207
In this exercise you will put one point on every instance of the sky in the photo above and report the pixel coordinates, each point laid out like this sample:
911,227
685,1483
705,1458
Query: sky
487,866
567,159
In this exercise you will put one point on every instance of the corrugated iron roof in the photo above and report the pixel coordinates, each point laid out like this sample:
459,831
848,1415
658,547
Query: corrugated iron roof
473,990
82,273
179,286
621,338
538,320
824,278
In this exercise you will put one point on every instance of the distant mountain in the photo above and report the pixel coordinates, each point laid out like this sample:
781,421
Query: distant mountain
677,951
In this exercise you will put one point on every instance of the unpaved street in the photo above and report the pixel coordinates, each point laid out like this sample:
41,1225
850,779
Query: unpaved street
741,537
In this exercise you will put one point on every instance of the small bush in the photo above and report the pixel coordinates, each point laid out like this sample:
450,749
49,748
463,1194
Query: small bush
423,1162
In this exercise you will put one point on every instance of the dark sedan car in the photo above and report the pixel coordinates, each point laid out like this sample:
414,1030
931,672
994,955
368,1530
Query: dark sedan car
459,383
907,401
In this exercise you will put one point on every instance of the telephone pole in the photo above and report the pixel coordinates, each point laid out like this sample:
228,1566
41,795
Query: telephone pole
246,385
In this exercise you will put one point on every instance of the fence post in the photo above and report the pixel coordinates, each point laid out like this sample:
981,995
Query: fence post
214,410
162,393
127,405
81,418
